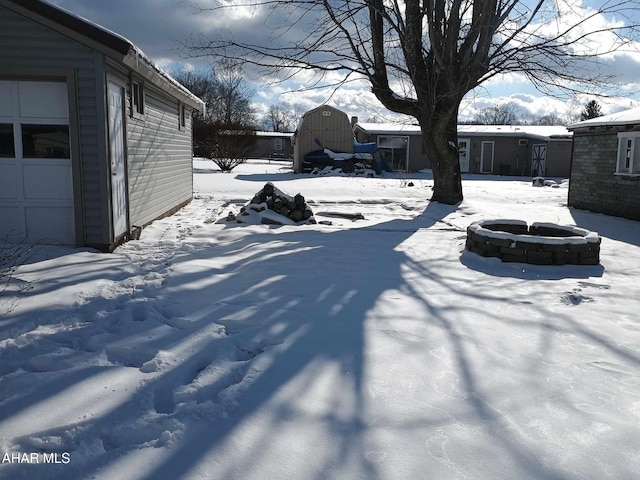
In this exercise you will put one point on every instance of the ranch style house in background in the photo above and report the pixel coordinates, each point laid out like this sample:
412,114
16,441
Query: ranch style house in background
274,146
493,149
605,169
95,139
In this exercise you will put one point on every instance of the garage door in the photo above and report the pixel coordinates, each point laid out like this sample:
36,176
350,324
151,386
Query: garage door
36,187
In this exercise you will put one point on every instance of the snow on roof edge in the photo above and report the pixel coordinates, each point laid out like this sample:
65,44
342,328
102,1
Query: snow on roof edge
139,54
624,117
534,131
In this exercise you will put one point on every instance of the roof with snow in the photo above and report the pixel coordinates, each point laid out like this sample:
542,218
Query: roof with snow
386,128
532,131
110,43
625,117
274,134
543,132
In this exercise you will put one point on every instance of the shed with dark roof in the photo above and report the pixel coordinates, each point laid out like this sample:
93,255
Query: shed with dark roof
95,139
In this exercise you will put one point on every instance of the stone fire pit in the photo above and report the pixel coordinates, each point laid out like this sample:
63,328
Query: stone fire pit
538,243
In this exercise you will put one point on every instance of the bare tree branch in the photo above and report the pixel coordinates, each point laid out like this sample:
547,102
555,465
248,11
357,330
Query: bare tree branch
421,57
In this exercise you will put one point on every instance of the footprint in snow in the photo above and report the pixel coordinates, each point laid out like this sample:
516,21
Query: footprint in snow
575,297
601,286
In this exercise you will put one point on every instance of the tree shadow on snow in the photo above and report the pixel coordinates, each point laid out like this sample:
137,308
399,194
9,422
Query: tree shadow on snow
297,316
495,267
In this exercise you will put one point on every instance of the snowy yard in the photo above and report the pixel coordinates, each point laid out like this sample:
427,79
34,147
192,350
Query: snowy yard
373,349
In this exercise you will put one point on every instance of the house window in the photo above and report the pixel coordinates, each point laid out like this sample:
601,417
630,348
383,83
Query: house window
277,144
628,153
137,99
183,116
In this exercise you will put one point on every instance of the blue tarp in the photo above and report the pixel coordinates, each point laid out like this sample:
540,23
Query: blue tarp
364,147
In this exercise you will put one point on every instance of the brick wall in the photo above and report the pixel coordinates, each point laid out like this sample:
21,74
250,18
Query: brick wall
594,185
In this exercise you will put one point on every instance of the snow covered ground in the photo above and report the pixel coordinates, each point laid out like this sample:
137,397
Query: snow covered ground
369,349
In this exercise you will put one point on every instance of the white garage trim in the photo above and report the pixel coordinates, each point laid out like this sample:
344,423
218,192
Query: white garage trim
36,178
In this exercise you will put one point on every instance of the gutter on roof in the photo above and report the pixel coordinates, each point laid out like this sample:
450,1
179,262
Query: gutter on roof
583,125
141,64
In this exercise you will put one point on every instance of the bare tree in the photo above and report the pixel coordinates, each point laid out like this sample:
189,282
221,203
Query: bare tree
203,84
226,93
278,118
283,117
571,113
421,58
232,104
228,145
548,119
226,133
509,113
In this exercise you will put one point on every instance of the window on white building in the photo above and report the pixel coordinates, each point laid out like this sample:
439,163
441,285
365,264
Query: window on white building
628,153
137,99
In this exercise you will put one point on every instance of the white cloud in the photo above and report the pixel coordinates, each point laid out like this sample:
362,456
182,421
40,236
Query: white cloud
158,27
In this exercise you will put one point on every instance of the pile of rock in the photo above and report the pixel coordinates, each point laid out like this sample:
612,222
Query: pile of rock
270,205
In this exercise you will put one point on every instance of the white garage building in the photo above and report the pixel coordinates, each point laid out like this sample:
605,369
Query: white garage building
95,140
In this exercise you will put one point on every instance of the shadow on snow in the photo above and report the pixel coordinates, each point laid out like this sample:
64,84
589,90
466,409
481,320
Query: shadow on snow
285,296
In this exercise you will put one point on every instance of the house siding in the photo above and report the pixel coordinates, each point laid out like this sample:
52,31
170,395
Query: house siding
265,146
594,185
160,165
511,157
418,159
508,156
559,158
30,47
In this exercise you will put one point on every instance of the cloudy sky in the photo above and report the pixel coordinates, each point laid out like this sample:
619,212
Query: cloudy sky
158,27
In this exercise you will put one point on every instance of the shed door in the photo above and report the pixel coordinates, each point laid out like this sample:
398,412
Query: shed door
486,157
36,178
538,159
118,160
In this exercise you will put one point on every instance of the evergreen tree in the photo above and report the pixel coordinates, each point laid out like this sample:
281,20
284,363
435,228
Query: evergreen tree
591,110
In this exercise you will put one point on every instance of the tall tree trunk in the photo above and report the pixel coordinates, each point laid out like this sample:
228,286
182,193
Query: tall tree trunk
440,137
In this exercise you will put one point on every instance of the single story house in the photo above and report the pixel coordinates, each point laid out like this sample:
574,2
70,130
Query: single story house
95,139
605,167
274,145
497,149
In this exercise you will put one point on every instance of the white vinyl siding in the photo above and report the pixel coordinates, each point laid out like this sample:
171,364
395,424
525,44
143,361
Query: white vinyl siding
160,163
